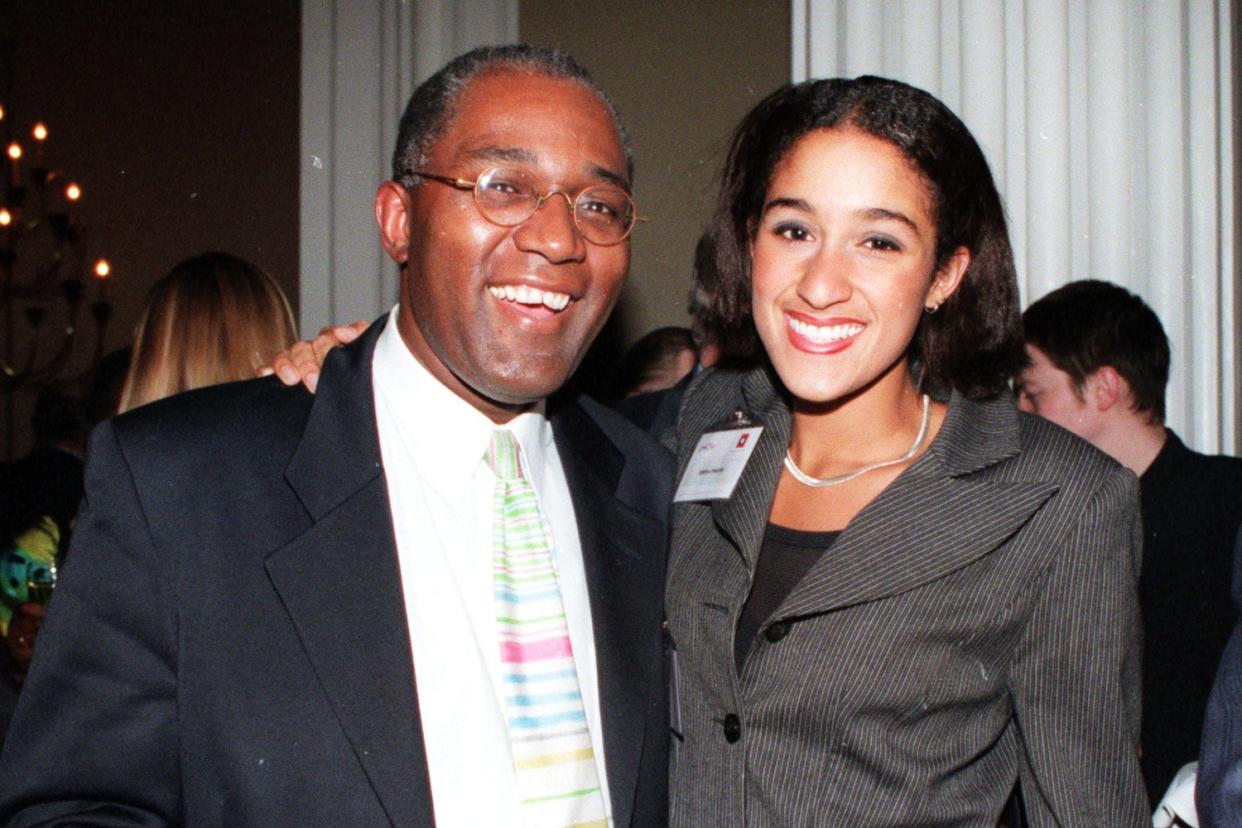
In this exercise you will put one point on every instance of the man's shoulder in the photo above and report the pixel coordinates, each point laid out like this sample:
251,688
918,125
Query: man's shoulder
633,442
1217,465
236,417
1181,473
222,438
637,468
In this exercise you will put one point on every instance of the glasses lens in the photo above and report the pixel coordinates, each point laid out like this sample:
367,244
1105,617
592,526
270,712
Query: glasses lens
605,214
506,196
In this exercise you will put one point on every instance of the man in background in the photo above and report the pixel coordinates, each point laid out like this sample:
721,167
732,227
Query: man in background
1098,364
655,411
657,361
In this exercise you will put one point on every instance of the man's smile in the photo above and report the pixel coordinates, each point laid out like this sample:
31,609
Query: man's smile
527,295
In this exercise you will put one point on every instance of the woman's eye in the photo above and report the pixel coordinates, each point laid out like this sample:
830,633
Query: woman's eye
793,232
881,243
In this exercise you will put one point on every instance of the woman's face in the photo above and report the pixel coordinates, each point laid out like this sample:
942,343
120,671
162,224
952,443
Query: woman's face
842,256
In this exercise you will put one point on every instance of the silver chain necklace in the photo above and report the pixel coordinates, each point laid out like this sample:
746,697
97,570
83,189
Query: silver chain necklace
820,482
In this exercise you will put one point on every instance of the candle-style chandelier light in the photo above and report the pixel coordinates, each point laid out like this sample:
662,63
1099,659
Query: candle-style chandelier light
46,275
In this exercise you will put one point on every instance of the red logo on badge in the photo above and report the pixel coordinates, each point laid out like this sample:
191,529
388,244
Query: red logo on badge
741,441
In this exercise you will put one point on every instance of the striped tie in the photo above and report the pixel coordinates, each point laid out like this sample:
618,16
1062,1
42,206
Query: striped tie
556,776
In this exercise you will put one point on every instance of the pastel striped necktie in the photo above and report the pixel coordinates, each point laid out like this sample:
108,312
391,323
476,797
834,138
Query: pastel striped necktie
557,780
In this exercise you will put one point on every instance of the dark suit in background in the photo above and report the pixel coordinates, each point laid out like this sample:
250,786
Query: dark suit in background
229,644
976,623
656,411
1192,507
1218,789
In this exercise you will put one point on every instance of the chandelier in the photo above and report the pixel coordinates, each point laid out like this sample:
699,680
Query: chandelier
54,307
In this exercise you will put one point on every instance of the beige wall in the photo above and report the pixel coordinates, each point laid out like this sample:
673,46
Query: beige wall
682,75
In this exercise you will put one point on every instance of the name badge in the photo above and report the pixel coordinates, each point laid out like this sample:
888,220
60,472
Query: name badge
718,461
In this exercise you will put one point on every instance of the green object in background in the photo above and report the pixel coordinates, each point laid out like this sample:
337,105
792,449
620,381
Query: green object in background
28,568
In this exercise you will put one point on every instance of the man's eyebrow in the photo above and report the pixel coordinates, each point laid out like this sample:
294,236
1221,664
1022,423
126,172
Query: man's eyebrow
514,155
611,177
517,155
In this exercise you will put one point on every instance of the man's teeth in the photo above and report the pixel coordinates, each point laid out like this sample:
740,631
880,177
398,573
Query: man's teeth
825,333
526,295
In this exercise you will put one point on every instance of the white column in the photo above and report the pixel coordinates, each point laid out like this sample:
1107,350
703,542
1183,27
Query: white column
1109,129
361,59
1047,197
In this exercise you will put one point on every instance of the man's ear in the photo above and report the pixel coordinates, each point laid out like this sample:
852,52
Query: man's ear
392,214
1105,387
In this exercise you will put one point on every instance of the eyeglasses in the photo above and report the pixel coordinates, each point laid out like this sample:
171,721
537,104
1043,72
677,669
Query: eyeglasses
604,214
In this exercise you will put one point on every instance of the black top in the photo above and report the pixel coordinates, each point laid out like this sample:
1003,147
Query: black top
1192,505
786,555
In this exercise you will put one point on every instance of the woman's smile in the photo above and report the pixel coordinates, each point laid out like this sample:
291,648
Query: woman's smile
821,336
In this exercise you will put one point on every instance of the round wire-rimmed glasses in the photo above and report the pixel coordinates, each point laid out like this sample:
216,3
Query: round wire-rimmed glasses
603,213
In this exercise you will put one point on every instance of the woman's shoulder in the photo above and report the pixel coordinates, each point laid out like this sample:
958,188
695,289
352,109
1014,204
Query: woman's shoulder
1040,450
716,393
714,386
993,437
1049,446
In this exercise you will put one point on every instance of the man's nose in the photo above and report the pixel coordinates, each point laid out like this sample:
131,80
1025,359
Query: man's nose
551,231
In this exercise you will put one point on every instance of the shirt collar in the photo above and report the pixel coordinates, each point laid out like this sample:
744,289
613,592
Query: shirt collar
446,437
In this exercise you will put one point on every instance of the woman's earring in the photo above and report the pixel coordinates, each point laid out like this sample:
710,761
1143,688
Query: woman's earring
930,309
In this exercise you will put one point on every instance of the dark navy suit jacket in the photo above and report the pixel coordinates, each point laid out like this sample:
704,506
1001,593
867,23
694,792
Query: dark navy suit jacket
228,643
1218,790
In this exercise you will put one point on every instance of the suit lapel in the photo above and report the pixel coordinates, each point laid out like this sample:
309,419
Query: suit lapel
934,519
743,517
347,559
921,528
625,590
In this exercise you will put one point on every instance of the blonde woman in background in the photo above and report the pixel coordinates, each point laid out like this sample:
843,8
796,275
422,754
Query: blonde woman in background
214,318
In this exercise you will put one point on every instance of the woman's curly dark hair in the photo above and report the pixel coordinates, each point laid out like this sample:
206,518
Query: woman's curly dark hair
974,343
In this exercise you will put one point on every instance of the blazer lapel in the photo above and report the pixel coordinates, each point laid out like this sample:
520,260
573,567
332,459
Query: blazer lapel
348,559
933,520
625,587
743,517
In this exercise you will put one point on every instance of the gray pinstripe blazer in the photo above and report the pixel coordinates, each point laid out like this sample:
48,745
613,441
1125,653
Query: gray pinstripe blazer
975,623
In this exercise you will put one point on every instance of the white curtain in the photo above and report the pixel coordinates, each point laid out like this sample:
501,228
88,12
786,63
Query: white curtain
1108,125
361,59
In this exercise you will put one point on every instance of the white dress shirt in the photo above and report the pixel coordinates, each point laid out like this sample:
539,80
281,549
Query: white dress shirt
440,489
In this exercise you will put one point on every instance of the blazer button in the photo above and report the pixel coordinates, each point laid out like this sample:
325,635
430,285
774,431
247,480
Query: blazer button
775,632
732,728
